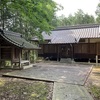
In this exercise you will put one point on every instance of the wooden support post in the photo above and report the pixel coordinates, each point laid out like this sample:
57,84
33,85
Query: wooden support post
58,53
88,40
29,56
89,50
72,53
20,51
12,56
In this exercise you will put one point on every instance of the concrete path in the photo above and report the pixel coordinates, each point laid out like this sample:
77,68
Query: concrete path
63,91
68,79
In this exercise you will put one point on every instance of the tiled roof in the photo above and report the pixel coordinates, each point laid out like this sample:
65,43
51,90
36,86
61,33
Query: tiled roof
17,40
77,27
86,33
62,36
46,36
73,34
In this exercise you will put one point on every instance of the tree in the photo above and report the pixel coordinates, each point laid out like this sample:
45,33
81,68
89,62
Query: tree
79,15
29,17
78,18
71,20
98,13
82,18
88,19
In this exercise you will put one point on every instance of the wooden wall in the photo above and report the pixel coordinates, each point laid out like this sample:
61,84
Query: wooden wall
76,50
85,50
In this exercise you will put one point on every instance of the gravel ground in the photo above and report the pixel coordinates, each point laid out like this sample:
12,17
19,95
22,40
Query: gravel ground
22,89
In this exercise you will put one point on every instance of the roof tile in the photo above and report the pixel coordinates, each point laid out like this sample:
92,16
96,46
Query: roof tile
18,40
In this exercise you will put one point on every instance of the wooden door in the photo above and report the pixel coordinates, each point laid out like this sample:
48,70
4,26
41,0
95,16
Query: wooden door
66,51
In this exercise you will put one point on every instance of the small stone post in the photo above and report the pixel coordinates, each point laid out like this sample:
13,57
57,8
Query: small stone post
96,60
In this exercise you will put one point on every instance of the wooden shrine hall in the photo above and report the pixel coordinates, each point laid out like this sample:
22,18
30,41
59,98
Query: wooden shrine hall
12,49
79,42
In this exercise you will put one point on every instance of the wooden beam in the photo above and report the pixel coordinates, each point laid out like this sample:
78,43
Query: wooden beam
5,47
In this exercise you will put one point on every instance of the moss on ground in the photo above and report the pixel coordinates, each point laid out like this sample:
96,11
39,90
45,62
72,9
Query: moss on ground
93,83
95,91
23,90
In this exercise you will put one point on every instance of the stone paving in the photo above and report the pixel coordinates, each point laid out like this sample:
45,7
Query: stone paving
68,74
63,91
68,79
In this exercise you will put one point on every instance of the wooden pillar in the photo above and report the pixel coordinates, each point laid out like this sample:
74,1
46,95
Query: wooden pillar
58,56
29,56
20,57
42,45
72,52
88,40
12,56
89,49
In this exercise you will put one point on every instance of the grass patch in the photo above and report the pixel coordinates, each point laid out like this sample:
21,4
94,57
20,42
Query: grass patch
23,90
95,91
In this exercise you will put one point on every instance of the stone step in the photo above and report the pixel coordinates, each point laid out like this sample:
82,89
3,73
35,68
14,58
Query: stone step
66,60
29,66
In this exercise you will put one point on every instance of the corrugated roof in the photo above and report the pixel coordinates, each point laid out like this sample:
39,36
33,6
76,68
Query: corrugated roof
17,39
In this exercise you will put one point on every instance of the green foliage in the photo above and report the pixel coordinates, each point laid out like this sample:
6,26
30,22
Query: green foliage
29,17
78,18
33,56
95,91
98,13
98,10
89,19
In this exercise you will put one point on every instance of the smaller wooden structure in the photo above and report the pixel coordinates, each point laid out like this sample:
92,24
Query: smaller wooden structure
14,49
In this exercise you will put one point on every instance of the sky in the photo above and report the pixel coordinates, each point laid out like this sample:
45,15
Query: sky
72,6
